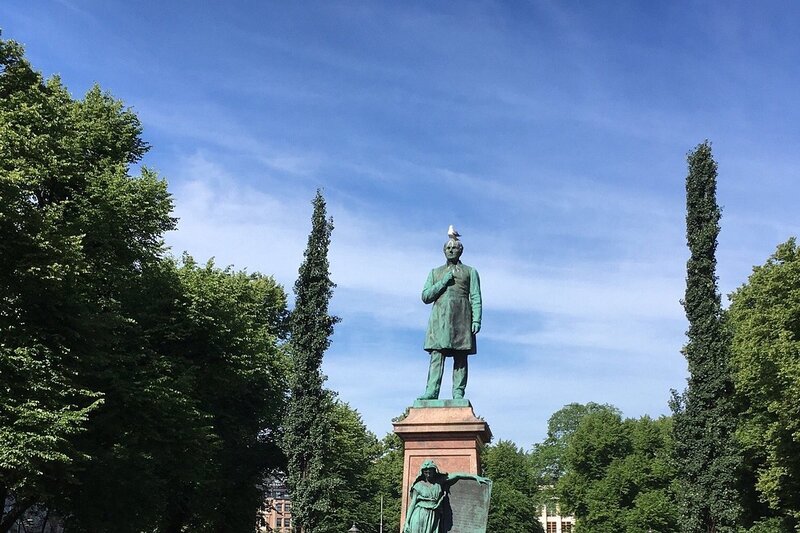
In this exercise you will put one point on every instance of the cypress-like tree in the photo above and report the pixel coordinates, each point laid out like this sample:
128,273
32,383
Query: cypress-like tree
706,453
309,422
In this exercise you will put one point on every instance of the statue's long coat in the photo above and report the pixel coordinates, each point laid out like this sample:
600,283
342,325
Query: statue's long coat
456,306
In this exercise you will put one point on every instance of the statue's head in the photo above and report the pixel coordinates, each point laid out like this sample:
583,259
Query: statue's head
428,470
453,250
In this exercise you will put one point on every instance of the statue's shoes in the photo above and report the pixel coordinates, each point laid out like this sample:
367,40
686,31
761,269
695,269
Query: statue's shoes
427,397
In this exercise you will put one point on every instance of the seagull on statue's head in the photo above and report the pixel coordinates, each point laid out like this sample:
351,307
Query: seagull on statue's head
452,233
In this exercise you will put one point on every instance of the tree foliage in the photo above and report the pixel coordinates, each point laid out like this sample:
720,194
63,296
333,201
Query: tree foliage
706,451
386,477
309,422
547,457
353,453
138,394
76,232
194,422
513,506
619,475
765,320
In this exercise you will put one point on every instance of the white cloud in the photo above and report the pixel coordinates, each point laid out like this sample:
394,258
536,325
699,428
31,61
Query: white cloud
609,317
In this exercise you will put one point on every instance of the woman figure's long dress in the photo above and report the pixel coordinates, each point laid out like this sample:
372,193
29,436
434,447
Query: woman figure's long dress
425,515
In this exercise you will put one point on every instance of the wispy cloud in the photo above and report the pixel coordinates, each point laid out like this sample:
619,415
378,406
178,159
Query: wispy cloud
626,311
208,123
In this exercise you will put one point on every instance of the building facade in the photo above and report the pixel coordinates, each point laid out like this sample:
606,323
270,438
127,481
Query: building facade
553,522
277,511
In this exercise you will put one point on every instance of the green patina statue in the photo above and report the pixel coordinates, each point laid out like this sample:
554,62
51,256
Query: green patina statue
454,289
428,507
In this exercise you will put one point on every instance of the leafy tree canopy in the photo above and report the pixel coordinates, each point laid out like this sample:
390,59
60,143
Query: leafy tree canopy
764,317
547,457
513,506
76,232
386,477
619,475
139,393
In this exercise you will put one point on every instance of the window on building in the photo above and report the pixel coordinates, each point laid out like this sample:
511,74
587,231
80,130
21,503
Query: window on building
566,527
279,522
279,507
552,527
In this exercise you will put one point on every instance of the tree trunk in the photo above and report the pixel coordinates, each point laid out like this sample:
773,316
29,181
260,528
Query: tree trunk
16,511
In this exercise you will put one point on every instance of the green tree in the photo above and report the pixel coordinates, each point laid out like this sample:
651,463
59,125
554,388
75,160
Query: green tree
353,452
706,452
386,476
547,457
764,317
73,224
136,445
547,460
513,506
138,395
309,423
188,430
619,475
230,324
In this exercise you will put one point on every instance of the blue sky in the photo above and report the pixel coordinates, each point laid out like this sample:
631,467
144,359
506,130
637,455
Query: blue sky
553,135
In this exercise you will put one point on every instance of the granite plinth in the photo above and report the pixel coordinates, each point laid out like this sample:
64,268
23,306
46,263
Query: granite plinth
448,433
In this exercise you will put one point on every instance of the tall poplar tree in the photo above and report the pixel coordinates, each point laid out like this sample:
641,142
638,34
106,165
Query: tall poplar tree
706,453
309,420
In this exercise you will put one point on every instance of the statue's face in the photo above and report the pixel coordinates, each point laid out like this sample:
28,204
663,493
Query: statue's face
428,473
453,250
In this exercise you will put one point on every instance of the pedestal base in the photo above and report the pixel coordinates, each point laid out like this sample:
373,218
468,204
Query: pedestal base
446,431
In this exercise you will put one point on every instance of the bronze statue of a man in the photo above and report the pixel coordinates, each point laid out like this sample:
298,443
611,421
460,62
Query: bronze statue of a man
454,289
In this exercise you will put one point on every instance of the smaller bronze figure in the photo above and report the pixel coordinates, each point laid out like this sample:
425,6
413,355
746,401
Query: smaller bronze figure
428,504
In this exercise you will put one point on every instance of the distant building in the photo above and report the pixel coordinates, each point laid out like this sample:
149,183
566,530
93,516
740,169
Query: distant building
553,522
277,510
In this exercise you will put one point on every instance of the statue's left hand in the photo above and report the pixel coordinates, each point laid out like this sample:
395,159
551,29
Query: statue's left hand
475,328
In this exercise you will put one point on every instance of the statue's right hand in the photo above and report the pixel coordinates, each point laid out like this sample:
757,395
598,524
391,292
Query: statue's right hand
449,276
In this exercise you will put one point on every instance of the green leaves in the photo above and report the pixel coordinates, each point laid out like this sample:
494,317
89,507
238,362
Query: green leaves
764,318
59,309
514,489
706,452
619,475
309,422
547,458
137,394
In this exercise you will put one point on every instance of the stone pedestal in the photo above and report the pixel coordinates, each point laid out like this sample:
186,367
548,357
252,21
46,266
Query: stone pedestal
446,431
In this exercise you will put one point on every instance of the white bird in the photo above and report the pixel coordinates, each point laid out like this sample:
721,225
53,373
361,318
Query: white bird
452,233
